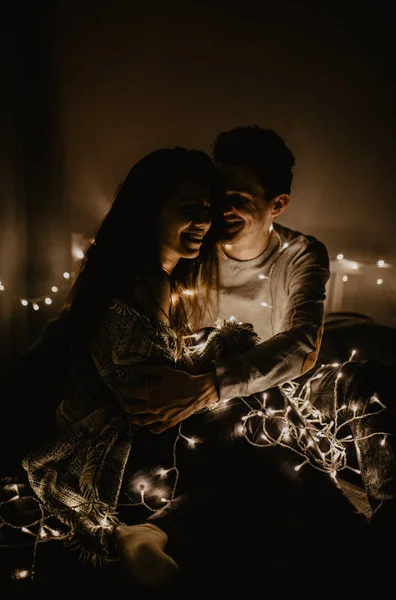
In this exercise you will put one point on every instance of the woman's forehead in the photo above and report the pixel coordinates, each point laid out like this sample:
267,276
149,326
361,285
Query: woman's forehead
190,189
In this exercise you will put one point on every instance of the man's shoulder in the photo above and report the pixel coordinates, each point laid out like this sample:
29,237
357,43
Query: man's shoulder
301,250
298,239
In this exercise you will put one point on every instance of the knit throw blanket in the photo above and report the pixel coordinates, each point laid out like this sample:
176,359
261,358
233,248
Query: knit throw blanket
77,478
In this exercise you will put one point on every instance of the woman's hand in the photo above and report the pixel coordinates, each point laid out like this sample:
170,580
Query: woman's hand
176,396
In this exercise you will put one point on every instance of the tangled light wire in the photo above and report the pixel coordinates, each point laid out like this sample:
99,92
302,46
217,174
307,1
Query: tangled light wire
297,425
302,428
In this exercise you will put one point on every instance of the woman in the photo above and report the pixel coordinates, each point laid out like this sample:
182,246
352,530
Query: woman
151,265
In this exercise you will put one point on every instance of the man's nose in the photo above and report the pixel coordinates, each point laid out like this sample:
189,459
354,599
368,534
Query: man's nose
228,208
229,205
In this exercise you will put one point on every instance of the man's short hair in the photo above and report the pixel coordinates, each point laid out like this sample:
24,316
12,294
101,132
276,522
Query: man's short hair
261,149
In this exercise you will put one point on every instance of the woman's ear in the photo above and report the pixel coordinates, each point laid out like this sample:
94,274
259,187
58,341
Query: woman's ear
279,204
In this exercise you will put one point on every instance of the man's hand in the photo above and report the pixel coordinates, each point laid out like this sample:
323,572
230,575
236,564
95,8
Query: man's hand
176,396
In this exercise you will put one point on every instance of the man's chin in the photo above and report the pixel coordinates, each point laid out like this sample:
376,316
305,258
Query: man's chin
232,231
230,236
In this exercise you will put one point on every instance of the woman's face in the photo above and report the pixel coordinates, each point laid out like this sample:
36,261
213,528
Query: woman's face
184,221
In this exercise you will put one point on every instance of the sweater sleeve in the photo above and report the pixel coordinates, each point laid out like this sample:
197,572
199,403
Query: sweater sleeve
294,348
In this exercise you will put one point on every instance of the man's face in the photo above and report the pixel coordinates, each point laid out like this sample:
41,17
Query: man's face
247,214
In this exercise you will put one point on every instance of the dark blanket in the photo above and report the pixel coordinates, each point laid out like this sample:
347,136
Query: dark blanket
347,331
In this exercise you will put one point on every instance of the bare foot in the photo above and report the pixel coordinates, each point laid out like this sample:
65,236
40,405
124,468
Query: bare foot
141,549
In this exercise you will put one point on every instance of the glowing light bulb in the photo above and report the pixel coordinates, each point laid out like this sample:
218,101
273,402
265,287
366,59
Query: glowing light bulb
54,289
36,306
24,302
79,254
340,256
188,292
21,573
380,263
261,276
355,266
345,278
66,275
380,281
265,304
48,301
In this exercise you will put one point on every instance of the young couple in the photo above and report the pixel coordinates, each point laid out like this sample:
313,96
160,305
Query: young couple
190,247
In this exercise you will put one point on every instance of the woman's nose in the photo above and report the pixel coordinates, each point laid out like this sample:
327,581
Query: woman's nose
202,216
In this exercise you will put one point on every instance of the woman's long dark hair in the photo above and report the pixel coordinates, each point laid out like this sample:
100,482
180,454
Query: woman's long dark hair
126,244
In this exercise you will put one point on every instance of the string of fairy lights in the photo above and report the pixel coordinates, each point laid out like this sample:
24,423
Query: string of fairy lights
38,302
349,266
341,264
297,425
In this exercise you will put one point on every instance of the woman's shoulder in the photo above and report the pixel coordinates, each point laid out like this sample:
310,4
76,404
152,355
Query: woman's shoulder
123,319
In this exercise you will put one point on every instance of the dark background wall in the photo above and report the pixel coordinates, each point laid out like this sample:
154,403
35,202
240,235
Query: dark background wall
92,86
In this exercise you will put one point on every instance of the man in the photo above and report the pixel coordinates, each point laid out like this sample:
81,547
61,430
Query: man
274,278
271,276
